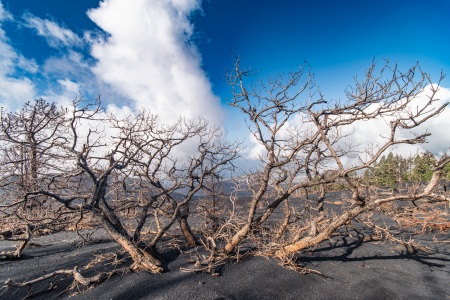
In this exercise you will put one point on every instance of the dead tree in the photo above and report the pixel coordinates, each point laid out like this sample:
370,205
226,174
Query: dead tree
174,178
27,144
164,165
305,142
268,114
30,134
76,174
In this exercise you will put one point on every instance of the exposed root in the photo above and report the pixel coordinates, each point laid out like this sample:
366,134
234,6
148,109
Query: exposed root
289,261
208,264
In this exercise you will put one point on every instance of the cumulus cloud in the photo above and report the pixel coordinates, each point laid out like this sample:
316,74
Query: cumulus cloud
14,89
55,35
148,58
143,58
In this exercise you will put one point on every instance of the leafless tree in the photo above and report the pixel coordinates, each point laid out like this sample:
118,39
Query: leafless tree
27,140
305,142
30,134
139,178
100,164
166,177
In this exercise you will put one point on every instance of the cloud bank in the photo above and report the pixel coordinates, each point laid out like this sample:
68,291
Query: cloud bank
373,132
148,57
143,58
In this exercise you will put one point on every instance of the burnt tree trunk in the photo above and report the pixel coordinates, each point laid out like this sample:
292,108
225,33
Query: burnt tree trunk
142,259
313,240
184,226
101,211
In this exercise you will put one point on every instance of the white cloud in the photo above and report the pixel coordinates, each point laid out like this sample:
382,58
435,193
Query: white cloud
73,75
4,15
255,150
15,92
69,66
14,89
69,85
148,57
144,59
55,34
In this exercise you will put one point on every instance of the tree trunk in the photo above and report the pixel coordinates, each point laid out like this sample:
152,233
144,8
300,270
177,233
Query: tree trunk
187,232
141,222
245,229
237,238
182,217
141,258
33,165
313,240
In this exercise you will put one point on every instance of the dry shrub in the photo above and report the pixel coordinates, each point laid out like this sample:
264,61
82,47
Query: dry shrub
426,221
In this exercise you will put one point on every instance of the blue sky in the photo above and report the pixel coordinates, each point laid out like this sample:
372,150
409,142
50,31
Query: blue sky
337,38
171,56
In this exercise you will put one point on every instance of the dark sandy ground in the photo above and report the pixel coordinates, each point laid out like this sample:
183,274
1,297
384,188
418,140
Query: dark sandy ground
372,270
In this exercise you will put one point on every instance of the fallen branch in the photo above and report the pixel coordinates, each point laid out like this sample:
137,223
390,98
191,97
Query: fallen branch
210,267
22,244
12,283
383,233
78,278
302,270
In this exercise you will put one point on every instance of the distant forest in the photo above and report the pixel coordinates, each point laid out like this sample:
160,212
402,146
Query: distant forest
393,169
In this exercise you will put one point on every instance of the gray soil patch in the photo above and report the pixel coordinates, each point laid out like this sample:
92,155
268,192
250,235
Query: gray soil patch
354,270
